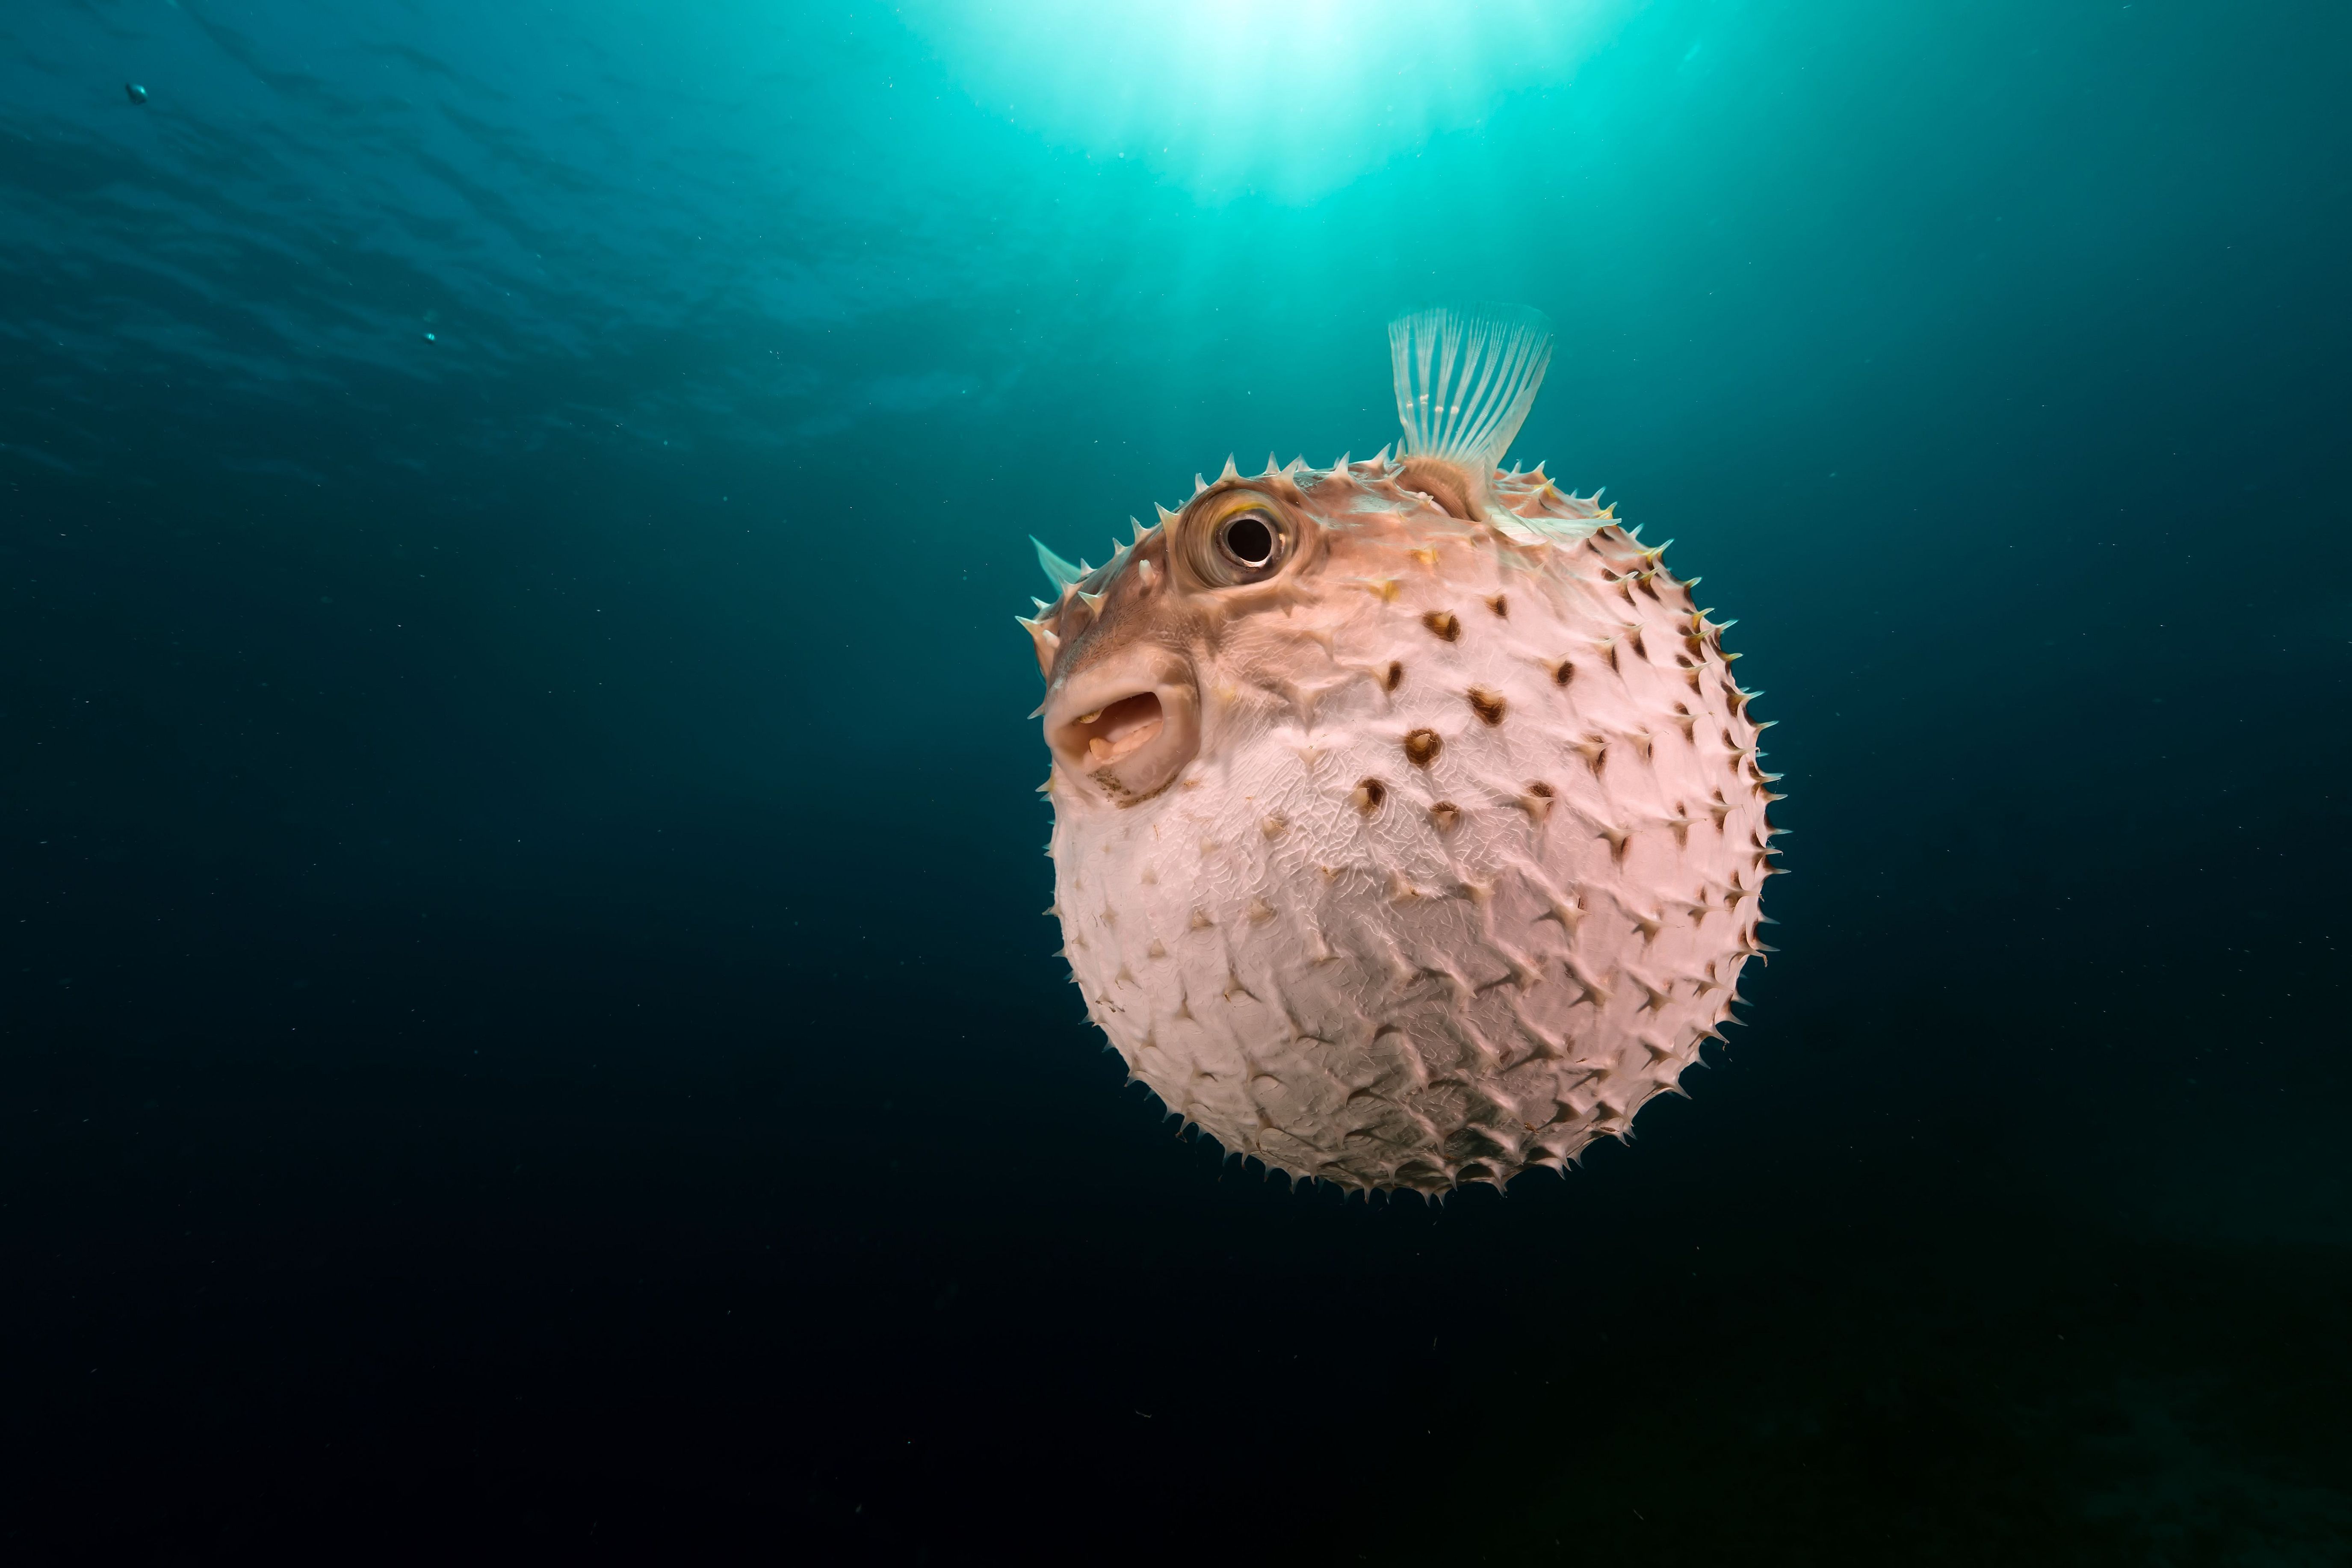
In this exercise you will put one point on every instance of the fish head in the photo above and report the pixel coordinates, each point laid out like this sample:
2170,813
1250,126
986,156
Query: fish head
1214,626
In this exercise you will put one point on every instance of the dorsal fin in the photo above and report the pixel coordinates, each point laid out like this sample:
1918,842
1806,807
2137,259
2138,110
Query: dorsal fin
1060,571
1465,378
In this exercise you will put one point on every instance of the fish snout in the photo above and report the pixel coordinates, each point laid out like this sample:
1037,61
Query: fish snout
1128,729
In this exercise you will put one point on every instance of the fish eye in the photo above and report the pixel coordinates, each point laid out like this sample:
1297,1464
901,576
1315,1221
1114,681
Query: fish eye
1247,540
1238,537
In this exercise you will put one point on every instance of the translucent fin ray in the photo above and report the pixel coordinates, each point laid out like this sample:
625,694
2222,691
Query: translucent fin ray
1060,571
1466,379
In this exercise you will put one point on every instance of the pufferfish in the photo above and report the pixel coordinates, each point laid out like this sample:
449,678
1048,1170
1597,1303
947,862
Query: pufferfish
1409,823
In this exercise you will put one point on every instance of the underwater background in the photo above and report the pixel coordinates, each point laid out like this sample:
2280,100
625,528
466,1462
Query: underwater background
525,1025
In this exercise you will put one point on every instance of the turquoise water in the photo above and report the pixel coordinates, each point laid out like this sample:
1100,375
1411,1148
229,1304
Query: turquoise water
525,1016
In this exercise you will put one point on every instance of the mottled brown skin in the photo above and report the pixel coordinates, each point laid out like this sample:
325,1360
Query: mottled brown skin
1171,604
1160,597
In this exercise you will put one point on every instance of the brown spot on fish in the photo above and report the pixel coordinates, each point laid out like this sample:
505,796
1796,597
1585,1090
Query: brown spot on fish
1422,746
1444,623
1370,794
1445,814
1487,705
1563,672
1501,606
1395,676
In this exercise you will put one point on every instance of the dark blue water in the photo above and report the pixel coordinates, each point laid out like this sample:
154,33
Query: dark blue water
526,1025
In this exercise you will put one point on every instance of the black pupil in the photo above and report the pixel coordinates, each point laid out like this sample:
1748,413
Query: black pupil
1249,541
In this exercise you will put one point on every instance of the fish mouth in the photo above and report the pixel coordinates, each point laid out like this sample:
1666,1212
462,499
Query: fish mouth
1121,730
1129,732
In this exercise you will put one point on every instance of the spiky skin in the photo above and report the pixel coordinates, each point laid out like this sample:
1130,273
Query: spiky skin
1360,958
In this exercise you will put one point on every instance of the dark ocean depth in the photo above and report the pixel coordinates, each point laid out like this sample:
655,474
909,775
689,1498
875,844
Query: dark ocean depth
526,1030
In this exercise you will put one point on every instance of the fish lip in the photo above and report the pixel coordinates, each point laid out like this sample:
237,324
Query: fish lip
1112,705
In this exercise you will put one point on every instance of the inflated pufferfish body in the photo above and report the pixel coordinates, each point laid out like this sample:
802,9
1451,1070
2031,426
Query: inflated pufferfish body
1408,824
